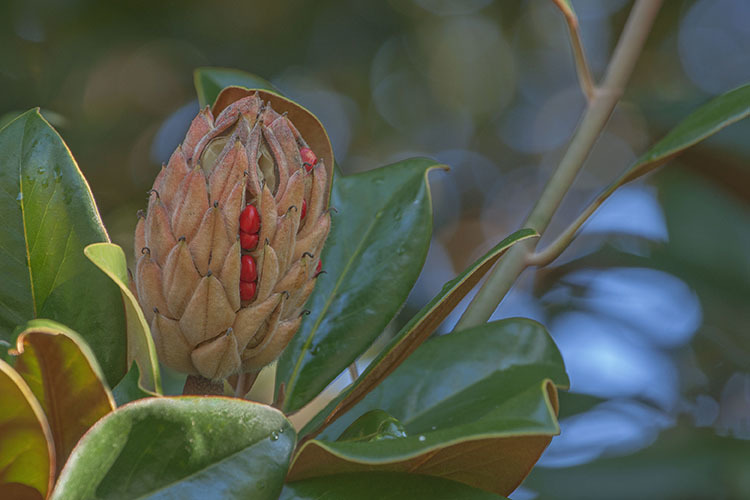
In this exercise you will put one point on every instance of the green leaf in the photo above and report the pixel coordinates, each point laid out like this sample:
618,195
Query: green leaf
382,485
702,123
65,378
186,448
49,216
373,426
210,81
129,389
111,260
374,253
173,381
27,452
478,405
416,331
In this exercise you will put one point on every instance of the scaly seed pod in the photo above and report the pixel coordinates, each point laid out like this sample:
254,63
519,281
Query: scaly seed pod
228,249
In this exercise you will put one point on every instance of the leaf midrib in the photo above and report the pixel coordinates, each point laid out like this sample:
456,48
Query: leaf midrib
23,217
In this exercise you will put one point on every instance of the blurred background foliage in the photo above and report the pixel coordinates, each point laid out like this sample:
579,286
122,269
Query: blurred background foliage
650,307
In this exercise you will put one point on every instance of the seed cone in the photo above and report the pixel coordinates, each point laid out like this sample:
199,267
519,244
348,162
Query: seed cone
228,250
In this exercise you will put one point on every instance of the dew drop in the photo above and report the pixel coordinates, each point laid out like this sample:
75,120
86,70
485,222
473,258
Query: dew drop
421,438
274,436
281,431
433,427
315,350
19,197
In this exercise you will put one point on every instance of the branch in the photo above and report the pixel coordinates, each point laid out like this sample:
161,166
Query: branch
582,66
353,372
594,119
556,248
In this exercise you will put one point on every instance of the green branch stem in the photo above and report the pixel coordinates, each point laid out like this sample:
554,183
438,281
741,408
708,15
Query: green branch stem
556,248
605,97
582,66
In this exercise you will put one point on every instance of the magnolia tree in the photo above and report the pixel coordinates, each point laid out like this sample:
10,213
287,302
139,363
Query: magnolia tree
256,251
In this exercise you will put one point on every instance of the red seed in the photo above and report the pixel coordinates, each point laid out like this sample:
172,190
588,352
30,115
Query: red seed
248,241
247,290
308,158
319,267
304,209
250,219
248,270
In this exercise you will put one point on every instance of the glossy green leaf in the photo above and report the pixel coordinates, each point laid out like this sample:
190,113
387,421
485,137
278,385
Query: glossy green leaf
210,81
129,389
702,123
382,485
27,452
141,349
186,447
173,381
374,426
377,246
49,216
416,331
478,405
65,378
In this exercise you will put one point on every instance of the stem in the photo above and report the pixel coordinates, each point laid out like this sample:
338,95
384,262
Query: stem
195,385
280,397
594,119
353,372
245,382
557,247
582,66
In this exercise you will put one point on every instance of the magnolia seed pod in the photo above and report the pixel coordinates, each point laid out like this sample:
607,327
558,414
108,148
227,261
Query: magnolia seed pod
228,248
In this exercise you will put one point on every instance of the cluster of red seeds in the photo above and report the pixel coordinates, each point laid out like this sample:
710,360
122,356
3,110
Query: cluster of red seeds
249,229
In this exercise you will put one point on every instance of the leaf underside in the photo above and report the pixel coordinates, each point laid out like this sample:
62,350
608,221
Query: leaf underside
478,405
